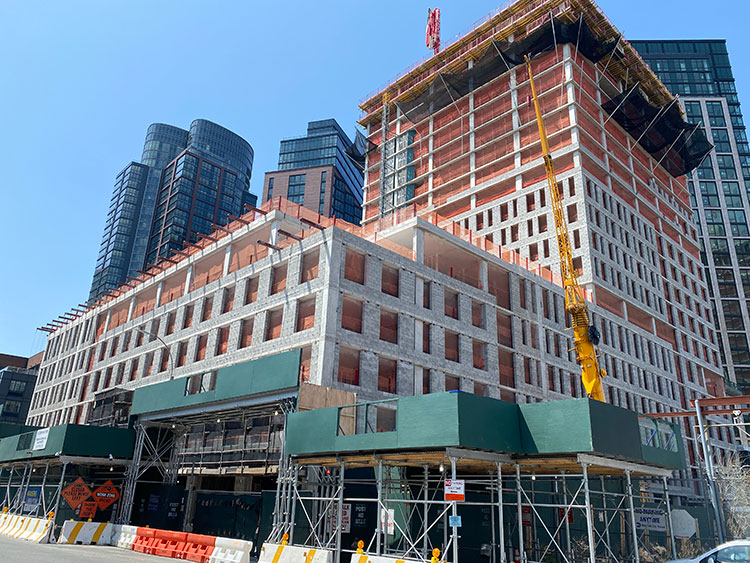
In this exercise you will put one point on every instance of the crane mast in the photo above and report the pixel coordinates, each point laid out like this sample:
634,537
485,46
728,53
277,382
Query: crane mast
585,335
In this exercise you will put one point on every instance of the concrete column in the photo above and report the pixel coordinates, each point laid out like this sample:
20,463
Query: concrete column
418,245
227,258
274,235
484,276
159,290
405,384
234,336
259,327
418,375
131,308
437,381
188,279
368,370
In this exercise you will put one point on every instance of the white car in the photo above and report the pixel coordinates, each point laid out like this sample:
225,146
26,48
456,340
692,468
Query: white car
737,550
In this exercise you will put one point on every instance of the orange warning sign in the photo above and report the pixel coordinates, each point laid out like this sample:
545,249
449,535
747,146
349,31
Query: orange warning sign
106,495
88,509
76,493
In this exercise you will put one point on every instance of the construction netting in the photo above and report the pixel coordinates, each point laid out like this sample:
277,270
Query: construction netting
679,146
499,58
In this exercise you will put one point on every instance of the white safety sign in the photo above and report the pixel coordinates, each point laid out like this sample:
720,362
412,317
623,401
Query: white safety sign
455,489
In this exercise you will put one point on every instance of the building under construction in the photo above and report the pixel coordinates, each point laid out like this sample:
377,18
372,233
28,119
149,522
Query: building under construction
452,283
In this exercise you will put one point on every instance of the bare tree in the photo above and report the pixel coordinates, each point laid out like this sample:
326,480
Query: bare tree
733,480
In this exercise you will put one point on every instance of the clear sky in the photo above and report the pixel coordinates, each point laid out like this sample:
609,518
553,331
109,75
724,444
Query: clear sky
81,81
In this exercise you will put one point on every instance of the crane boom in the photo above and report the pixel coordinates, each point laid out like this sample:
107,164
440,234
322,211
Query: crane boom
585,335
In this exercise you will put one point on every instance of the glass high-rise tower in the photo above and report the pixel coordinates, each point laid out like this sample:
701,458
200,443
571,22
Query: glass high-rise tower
322,171
186,181
700,72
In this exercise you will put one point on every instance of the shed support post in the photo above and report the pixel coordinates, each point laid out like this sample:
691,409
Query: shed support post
58,494
293,495
710,477
589,514
606,520
500,518
340,512
131,477
519,510
631,509
454,512
378,521
669,518
425,507
43,501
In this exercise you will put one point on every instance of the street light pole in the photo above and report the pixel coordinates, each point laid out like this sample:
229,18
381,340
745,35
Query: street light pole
164,345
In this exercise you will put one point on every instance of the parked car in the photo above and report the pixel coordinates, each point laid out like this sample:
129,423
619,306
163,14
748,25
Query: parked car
737,550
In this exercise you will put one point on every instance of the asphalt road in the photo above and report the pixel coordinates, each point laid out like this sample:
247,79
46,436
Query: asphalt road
20,551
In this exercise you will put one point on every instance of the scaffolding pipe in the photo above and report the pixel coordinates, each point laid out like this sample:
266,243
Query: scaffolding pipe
710,472
567,518
669,518
379,529
633,531
589,514
425,509
58,495
604,506
339,512
501,522
294,502
43,502
493,553
454,513
521,550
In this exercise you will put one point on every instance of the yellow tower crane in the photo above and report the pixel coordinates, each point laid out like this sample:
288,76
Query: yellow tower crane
585,335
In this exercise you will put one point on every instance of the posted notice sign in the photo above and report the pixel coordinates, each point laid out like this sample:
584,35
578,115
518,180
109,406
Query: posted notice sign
650,519
40,439
455,489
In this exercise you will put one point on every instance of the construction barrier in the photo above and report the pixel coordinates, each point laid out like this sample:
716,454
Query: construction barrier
26,528
123,536
165,543
198,548
144,540
231,551
365,558
277,553
86,533
168,544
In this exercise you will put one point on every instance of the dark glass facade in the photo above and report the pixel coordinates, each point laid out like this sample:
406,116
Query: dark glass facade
16,389
325,145
148,216
113,262
700,72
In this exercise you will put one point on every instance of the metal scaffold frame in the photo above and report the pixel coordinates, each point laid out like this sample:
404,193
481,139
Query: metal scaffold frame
544,495
157,447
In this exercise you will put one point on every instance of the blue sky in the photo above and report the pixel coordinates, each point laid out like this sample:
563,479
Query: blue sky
81,81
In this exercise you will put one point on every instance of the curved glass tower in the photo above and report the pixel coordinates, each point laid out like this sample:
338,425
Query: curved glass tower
186,181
